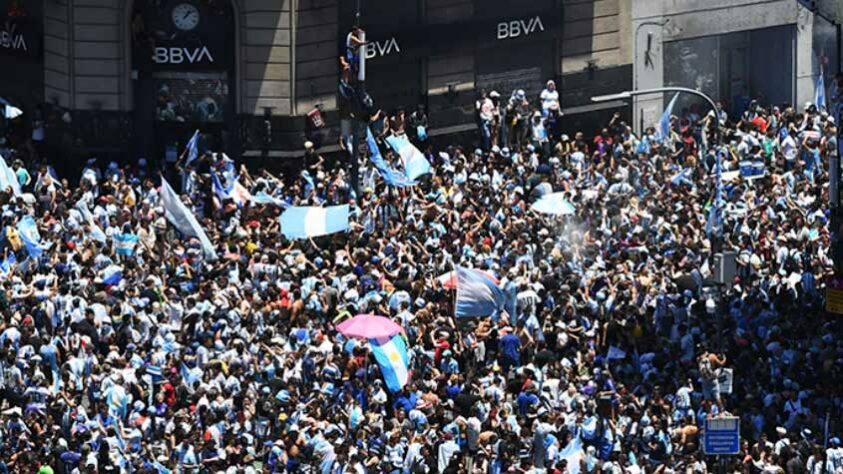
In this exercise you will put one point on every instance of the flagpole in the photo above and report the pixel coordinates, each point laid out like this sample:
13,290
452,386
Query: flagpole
454,312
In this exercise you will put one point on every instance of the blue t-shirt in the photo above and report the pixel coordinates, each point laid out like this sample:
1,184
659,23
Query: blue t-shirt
525,401
510,344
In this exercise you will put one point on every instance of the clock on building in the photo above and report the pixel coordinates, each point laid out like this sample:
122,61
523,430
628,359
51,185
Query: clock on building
185,16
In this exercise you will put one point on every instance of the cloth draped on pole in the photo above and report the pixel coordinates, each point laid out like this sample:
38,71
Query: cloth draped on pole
183,219
306,222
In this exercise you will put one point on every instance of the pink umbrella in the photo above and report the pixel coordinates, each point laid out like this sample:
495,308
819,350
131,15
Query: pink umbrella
369,326
449,280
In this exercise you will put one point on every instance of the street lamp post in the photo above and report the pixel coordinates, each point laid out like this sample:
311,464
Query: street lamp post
628,94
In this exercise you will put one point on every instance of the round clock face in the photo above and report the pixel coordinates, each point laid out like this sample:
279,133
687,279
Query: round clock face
185,16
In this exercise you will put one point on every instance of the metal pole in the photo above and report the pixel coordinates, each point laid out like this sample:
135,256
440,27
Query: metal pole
361,71
834,163
358,140
720,315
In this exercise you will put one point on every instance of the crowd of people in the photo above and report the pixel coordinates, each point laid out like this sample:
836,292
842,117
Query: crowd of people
605,359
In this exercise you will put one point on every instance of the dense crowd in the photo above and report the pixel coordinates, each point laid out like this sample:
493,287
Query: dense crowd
606,359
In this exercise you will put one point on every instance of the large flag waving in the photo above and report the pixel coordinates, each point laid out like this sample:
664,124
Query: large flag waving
415,164
477,294
663,133
306,222
183,219
393,360
391,176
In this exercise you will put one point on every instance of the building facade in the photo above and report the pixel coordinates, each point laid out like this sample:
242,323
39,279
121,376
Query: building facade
733,50
136,77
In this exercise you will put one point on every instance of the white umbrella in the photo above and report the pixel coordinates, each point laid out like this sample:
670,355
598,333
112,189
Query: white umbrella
555,204
13,112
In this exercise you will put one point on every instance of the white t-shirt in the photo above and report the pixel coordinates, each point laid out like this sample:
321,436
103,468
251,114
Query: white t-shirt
789,148
550,99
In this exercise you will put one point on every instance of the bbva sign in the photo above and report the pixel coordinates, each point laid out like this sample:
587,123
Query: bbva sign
12,40
382,48
516,28
180,55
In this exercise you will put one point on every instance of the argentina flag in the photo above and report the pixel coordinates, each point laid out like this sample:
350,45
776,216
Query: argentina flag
390,175
8,178
572,453
263,198
306,222
391,355
663,133
819,92
415,164
477,294
192,148
183,219
126,243
30,236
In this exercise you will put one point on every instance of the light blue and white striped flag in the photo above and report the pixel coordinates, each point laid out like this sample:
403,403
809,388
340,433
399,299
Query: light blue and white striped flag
663,133
683,176
264,198
28,230
6,264
8,178
192,148
391,176
88,216
306,222
572,453
391,355
819,92
477,294
126,243
183,219
415,164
